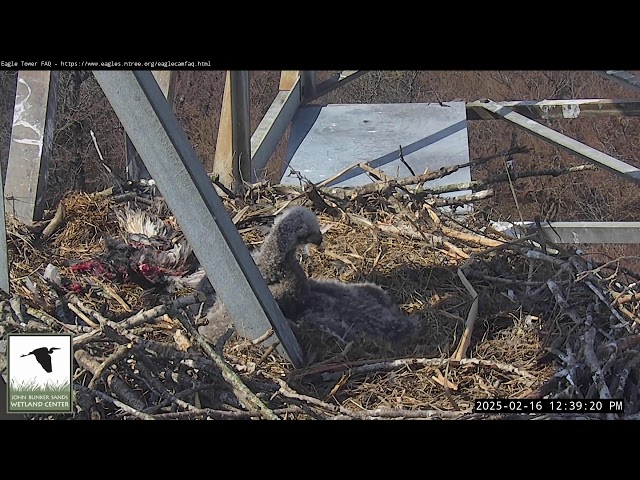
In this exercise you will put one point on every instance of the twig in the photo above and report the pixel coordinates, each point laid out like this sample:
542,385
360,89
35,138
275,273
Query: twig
118,386
246,396
55,222
562,302
513,191
470,237
462,199
51,321
621,298
401,413
121,352
113,294
594,365
117,403
247,343
366,414
536,255
268,352
375,172
327,181
364,367
221,414
588,276
405,162
84,318
148,315
386,188
622,376
620,345
465,341
471,273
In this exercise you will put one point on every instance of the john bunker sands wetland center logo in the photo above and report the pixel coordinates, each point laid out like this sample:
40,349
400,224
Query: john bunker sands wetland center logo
39,373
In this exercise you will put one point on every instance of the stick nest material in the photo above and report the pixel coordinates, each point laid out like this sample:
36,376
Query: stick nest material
538,325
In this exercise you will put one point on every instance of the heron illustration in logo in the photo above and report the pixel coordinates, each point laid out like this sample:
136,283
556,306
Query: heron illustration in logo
43,356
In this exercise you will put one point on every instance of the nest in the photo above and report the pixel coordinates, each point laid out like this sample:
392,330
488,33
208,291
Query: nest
501,317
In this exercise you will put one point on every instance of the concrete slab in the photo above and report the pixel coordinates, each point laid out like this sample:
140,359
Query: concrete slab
327,139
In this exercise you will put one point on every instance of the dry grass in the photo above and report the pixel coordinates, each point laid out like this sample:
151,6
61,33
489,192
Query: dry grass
524,332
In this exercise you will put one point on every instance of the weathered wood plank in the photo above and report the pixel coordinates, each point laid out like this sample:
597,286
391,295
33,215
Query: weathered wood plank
560,108
181,178
288,79
223,159
272,127
232,161
136,169
31,144
622,169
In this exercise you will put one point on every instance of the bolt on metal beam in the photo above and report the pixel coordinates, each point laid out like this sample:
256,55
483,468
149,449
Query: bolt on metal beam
170,158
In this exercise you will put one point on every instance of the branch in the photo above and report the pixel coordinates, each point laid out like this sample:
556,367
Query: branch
246,396
122,406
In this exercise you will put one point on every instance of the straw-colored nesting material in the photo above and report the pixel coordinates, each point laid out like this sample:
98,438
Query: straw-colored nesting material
537,316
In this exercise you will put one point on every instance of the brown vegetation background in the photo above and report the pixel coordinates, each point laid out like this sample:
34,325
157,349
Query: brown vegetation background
596,196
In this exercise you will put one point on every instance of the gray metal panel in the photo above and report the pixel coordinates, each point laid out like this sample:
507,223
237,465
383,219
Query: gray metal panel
136,169
31,144
593,232
169,156
327,139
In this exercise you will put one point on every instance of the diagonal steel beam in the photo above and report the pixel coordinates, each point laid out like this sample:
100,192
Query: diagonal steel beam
272,128
170,158
573,108
600,159
620,76
337,81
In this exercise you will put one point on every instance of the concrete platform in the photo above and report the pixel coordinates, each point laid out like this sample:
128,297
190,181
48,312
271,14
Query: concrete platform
327,139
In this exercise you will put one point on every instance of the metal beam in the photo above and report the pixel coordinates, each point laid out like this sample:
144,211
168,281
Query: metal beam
337,81
308,81
181,177
590,232
4,262
620,76
31,144
135,168
232,161
560,108
241,130
272,127
623,170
